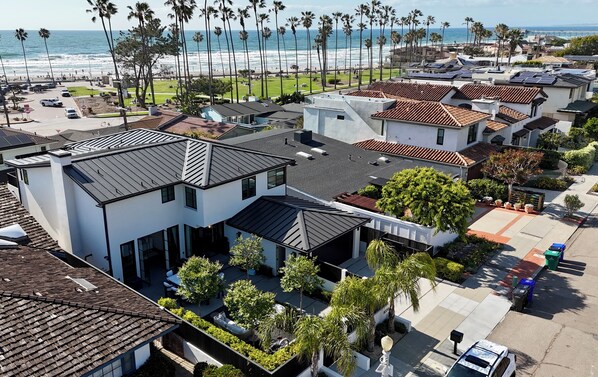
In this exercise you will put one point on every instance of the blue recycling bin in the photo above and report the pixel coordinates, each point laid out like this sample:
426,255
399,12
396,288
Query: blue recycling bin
559,247
531,284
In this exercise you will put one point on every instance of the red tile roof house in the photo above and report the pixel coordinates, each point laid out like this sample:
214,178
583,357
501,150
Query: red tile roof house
62,317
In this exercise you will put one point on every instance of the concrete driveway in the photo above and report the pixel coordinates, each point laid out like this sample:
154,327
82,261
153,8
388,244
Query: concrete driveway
557,334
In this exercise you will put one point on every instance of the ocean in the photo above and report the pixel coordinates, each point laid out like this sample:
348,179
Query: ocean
79,53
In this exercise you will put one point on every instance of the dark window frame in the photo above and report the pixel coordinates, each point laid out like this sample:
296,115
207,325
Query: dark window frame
472,133
248,187
25,176
275,178
190,197
1,159
167,194
340,117
440,136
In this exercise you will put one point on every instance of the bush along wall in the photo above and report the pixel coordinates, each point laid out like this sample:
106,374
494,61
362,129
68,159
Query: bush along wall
582,157
448,269
483,187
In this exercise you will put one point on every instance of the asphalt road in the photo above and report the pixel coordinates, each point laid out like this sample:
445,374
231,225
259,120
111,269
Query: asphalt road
557,334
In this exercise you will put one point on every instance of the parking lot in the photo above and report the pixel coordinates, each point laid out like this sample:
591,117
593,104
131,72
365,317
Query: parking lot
557,335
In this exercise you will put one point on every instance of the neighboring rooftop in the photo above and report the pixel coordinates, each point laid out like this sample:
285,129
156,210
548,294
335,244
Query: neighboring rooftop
494,126
561,80
433,113
578,107
178,123
467,157
511,116
358,201
11,138
72,136
420,92
296,223
51,324
246,108
541,123
344,168
505,93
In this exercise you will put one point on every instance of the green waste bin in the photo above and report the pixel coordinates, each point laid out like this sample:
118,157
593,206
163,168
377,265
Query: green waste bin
552,259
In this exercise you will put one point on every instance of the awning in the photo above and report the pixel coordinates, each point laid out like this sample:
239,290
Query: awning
578,107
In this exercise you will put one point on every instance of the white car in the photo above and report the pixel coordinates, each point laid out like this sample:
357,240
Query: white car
484,359
70,113
54,102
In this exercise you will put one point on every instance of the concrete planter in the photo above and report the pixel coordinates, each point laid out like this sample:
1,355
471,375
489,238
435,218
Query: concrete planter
529,208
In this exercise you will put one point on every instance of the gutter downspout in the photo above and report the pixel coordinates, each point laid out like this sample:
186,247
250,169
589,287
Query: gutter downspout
107,242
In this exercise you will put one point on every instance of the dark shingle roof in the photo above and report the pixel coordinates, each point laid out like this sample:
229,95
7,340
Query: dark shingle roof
293,222
506,93
578,107
420,92
346,168
246,108
10,139
541,123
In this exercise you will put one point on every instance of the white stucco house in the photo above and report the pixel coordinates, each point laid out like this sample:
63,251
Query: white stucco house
14,143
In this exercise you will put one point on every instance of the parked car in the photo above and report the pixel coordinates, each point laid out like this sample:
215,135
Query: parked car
70,113
65,93
484,359
54,102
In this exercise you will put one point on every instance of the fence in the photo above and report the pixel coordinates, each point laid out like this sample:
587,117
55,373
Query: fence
329,271
532,197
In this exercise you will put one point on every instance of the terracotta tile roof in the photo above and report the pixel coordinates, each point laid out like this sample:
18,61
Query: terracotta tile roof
467,157
367,93
494,126
178,123
420,92
510,115
541,123
358,201
552,59
506,93
434,113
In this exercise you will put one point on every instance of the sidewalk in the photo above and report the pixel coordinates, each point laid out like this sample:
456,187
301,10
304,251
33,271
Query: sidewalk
481,303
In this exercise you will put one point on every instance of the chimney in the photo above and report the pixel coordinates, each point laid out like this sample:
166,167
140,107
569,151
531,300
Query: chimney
302,136
486,105
66,227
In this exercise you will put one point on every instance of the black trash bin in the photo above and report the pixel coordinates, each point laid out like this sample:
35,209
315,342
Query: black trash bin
520,297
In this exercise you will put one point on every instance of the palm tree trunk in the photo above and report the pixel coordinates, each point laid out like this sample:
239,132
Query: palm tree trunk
360,57
259,47
220,54
198,59
49,61
296,64
232,45
315,358
3,70
309,60
209,51
230,66
391,315
286,58
278,47
335,53
322,78
265,67
248,67
371,334
121,101
25,58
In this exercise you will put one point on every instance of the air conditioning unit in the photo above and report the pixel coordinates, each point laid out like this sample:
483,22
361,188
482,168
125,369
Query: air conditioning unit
319,151
305,155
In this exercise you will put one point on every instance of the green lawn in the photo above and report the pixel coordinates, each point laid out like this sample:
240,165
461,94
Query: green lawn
115,115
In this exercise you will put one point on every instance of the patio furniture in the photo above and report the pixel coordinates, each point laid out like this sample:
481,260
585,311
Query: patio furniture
169,273
231,326
169,290
174,280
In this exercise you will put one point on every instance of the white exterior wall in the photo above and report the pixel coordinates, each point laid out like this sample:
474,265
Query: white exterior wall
142,355
559,98
38,198
11,154
269,246
196,355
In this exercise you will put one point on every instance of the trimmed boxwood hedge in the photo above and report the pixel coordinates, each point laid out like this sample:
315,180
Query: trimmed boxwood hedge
266,360
582,157
448,269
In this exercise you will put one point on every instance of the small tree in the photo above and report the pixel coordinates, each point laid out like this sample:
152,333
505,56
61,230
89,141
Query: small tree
247,253
573,203
432,198
248,305
300,273
513,166
199,279
550,140
591,128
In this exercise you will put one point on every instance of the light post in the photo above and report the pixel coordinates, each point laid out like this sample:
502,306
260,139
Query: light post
121,102
385,368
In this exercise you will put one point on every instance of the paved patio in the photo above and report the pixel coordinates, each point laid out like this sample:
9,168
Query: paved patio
499,224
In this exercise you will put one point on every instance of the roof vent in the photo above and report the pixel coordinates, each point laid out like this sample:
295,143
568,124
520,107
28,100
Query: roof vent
375,163
13,232
87,286
305,155
4,244
319,151
384,159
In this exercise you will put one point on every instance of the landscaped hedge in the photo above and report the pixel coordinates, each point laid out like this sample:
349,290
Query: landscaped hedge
448,269
268,361
549,183
550,159
226,370
582,157
487,187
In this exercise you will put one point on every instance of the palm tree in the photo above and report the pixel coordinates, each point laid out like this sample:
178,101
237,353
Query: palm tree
228,15
336,16
45,34
198,38
430,20
368,47
501,31
384,16
282,31
468,20
243,14
224,11
293,23
435,38
393,20
3,71
361,11
515,38
22,35
266,34
143,13
259,4
207,12
443,25
264,17
374,5
104,10
325,30
218,33
348,30
318,46
307,19
478,31
278,6
395,38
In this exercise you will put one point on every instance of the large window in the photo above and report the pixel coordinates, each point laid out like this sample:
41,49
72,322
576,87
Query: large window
276,178
440,136
248,188
118,368
472,133
190,197
25,176
167,194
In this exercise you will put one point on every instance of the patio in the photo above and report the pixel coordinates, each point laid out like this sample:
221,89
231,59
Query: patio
232,274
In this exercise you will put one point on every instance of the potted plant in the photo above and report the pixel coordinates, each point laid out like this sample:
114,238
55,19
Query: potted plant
508,205
248,253
518,206
529,208
498,203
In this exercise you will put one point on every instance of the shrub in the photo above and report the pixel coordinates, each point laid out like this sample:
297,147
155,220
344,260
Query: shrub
581,157
548,183
157,365
595,187
550,160
487,187
168,303
370,191
572,203
333,81
577,170
448,269
226,370
199,368
268,361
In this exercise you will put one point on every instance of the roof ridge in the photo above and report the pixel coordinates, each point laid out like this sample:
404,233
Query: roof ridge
303,230
184,172
461,158
118,150
331,211
208,165
106,309
447,110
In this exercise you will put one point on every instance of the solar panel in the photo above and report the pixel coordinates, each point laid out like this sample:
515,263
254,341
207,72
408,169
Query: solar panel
516,80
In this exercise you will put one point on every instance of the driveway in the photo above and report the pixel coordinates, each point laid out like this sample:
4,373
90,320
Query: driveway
556,335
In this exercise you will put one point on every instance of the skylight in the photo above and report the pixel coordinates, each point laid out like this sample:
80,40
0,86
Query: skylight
13,233
83,283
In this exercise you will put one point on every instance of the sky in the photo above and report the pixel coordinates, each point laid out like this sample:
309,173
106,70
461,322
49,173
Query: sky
71,15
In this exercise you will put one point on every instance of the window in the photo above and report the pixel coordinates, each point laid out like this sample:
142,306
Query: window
128,362
570,93
340,117
248,187
276,178
502,367
25,176
190,198
440,136
43,148
1,159
167,194
472,134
